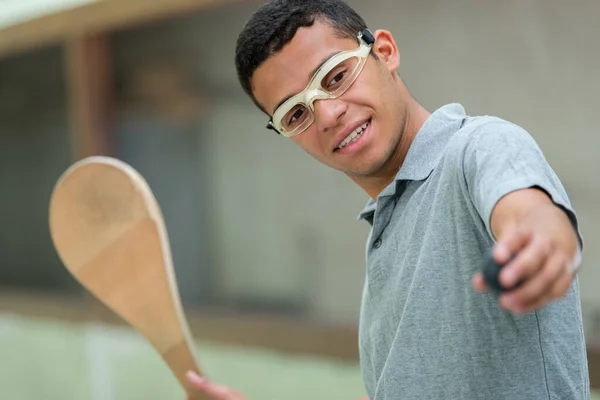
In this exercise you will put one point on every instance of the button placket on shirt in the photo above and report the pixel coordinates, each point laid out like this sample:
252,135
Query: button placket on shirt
382,218
376,267
379,221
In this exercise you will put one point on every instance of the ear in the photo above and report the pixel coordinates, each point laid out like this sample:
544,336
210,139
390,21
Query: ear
386,50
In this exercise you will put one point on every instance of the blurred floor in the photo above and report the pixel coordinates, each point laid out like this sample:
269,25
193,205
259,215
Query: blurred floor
58,360
55,359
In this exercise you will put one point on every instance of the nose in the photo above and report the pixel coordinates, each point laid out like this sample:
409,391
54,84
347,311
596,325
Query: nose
328,113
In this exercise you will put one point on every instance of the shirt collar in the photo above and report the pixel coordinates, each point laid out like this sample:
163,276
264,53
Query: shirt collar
425,151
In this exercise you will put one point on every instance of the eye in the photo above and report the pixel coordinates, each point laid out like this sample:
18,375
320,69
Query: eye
296,115
337,78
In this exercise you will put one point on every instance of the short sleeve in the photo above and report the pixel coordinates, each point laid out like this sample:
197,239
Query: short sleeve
501,157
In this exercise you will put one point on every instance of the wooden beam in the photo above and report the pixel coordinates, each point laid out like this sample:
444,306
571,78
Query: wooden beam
88,73
100,16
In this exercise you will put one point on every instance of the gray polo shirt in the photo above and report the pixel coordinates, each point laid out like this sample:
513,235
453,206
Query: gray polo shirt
425,333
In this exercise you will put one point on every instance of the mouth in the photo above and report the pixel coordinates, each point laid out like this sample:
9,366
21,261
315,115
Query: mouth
351,140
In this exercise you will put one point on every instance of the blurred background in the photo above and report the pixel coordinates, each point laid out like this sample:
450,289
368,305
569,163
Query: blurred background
267,250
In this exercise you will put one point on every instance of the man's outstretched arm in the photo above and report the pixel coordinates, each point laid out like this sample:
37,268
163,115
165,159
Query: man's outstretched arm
545,246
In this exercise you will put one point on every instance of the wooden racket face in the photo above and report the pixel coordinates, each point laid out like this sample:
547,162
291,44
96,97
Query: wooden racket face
95,204
108,231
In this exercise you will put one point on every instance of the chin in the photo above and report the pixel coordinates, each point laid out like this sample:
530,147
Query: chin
366,170
371,166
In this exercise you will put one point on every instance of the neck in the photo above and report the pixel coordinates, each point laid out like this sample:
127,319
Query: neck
414,119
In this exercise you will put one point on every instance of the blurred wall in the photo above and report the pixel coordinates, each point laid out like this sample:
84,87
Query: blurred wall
280,229
34,149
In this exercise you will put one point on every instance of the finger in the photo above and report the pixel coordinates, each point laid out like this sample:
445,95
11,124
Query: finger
213,390
479,283
563,283
195,380
558,290
510,243
526,263
532,293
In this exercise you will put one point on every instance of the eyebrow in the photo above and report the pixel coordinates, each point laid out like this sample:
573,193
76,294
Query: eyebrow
310,75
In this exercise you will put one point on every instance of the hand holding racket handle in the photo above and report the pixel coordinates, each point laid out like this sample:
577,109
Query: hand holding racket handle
109,232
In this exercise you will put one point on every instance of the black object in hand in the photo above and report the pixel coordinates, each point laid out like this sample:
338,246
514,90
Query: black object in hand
491,274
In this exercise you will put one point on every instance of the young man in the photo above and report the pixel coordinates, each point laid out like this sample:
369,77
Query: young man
445,189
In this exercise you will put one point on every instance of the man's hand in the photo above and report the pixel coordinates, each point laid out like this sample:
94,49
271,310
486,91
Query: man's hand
544,244
213,390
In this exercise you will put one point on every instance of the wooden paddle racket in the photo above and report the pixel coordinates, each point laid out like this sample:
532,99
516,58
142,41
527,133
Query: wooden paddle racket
109,232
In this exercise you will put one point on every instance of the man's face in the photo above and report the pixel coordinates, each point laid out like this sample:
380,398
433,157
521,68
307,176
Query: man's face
373,99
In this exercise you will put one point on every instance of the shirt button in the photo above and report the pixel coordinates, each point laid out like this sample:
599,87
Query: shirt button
377,243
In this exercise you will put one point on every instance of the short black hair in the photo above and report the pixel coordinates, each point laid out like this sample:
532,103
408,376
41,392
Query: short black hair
274,25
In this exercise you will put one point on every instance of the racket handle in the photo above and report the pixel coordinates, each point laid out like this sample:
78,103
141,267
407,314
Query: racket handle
180,360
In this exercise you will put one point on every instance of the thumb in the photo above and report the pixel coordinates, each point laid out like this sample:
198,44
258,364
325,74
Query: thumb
213,390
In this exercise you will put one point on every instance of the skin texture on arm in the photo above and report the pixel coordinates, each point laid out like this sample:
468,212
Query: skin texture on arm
539,235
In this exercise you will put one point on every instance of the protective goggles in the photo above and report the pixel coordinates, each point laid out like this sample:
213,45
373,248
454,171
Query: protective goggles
330,81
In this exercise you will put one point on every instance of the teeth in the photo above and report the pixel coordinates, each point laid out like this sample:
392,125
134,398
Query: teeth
353,137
